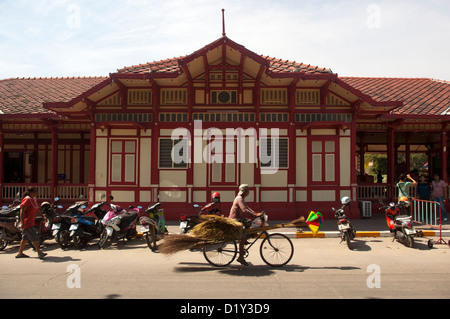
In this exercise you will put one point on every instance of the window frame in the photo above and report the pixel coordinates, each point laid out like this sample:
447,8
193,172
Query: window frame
323,155
123,154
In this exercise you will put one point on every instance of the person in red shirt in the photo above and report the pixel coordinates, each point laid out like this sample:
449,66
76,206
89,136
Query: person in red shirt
29,209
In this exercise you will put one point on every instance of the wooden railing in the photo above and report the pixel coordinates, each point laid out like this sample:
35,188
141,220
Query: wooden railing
63,191
375,192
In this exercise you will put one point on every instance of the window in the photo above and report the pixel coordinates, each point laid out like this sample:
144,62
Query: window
123,161
179,149
223,162
274,153
223,97
323,155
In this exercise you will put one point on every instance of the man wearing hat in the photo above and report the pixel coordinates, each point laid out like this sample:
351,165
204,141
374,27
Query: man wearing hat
239,211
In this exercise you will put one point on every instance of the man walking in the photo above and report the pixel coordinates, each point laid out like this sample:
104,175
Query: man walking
439,189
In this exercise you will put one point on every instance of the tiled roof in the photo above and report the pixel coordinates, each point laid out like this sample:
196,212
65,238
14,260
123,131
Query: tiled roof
419,96
274,65
279,65
27,95
172,65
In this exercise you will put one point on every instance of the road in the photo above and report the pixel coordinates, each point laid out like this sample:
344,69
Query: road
321,268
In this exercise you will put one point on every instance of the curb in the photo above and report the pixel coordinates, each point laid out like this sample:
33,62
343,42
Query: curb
335,234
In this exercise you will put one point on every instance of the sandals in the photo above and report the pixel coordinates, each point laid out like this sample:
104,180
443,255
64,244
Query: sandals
22,256
42,255
242,261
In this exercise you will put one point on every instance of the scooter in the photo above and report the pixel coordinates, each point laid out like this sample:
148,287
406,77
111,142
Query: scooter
401,226
153,225
188,222
119,224
346,230
62,223
45,229
84,228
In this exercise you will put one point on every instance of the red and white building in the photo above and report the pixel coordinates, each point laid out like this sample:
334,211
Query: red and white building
112,135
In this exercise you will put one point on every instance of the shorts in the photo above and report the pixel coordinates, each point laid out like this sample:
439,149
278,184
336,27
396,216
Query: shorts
30,234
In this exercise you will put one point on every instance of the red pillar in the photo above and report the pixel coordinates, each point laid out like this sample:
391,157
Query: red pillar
2,173
444,155
54,183
92,162
391,159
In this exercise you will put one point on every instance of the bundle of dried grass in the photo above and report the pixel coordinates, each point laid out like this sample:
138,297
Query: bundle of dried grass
175,243
214,230
219,229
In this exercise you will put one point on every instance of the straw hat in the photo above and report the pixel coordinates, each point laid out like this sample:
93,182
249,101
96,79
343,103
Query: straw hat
242,189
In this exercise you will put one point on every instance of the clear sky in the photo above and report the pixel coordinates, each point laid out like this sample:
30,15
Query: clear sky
378,38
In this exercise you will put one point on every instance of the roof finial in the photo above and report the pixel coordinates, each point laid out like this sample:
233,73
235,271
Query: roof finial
223,22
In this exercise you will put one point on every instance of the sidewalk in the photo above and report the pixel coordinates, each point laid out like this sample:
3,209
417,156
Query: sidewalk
369,227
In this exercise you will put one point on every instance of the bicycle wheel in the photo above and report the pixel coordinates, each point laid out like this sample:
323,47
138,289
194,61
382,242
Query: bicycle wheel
220,255
276,250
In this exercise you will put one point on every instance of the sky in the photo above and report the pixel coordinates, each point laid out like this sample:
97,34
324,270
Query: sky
374,38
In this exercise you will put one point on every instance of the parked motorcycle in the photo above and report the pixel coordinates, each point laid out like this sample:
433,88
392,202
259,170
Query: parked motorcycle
9,220
188,222
401,226
153,225
45,228
62,223
119,224
84,228
346,230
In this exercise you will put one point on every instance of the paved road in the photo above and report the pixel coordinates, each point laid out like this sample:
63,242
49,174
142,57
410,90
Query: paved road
321,268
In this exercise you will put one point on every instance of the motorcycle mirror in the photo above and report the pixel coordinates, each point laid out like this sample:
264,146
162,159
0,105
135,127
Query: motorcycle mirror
140,207
17,194
56,199
103,196
196,205
111,197
81,196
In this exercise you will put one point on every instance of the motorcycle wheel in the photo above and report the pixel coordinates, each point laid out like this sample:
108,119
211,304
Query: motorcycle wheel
79,241
103,239
150,237
347,239
3,244
409,241
63,238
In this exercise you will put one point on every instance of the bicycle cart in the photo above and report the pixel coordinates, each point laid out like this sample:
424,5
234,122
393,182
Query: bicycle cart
218,239
276,250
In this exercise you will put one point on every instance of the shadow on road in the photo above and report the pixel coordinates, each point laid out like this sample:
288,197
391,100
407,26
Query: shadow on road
252,270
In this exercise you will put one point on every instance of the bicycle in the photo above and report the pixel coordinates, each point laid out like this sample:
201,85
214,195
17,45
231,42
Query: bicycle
276,249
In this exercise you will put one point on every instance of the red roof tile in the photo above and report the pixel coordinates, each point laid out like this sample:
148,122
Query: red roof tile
27,95
274,65
419,96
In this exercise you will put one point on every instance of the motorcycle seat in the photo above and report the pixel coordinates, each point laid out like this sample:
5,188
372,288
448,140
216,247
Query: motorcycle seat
7,219
10,212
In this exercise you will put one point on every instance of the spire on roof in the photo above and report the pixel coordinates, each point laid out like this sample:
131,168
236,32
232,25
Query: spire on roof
223,22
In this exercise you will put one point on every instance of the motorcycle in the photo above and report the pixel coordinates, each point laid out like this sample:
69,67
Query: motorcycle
9,220
84,228
153,225
45,229
62,223
346,231
188,222
401,226
119,224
